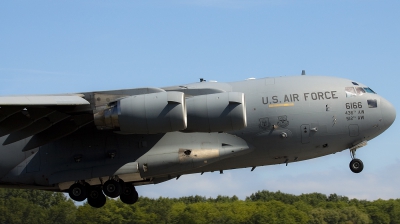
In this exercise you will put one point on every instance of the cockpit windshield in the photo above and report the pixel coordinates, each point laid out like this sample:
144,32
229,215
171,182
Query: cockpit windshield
369,90
360,90
350,91
357,91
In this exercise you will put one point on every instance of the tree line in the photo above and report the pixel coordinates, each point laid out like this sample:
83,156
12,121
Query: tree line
34,206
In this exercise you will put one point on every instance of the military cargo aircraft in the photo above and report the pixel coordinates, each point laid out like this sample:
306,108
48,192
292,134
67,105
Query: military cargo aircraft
98,144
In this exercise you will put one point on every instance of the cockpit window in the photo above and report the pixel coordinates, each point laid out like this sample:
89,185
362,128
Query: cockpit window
350,91
372,103
369,90
354,83
360,91
357,91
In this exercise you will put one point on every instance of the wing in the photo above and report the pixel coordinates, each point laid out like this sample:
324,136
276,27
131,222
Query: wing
45,118
41,119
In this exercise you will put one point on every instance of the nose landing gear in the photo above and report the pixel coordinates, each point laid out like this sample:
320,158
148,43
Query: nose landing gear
356,165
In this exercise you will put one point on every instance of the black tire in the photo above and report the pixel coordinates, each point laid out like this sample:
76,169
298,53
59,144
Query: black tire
122,183
77,192
96,197
356,165
129,194
112,188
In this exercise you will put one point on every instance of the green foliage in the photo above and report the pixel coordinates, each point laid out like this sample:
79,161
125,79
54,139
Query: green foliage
273,196
34,206
30,206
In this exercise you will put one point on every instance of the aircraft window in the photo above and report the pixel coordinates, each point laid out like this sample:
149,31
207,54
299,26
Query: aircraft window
369,90
372,103
350,91
360,91
354,83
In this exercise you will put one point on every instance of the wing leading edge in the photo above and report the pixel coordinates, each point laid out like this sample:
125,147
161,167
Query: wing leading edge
43,100
24,116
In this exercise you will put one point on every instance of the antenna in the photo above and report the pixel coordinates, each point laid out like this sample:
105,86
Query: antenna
303,72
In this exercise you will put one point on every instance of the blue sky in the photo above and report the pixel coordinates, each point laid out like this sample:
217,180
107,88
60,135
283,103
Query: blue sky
76,46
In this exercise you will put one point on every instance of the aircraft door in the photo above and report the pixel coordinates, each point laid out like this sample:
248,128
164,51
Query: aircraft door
353,130
305,133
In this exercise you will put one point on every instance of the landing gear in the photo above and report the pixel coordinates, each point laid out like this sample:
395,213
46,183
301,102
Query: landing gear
129,194
77,192
112,188
356,165
96,197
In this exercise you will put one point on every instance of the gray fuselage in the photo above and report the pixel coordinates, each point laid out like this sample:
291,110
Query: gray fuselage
288,119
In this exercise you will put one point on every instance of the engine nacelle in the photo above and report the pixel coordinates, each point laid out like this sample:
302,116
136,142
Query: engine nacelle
145,114
216,112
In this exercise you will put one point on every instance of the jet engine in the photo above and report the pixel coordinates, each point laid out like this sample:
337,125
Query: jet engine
145,114
169,111
216,112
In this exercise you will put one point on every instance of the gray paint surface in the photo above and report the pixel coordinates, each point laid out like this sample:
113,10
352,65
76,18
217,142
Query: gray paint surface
288,119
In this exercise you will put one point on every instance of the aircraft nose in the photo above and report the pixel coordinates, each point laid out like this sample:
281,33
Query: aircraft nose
388,112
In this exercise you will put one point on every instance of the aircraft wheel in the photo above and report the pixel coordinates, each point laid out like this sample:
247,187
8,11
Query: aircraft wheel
129,194
112,188
356,165
77,192
96,197
122,184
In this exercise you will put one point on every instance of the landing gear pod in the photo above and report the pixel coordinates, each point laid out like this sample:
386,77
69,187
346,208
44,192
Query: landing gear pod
216,112
145,114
